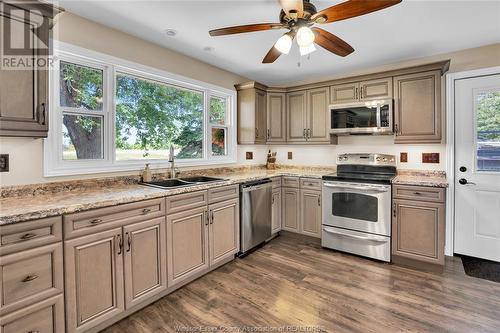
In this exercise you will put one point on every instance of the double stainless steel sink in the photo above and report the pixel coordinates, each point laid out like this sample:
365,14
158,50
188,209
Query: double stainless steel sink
182,182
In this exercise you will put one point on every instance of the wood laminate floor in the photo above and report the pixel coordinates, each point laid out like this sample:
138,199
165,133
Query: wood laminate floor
292,281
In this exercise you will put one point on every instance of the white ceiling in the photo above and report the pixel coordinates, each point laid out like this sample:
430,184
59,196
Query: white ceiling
409,30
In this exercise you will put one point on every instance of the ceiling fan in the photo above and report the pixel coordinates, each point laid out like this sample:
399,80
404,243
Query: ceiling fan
300,18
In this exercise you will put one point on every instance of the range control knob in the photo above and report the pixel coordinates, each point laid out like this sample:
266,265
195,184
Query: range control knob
378,158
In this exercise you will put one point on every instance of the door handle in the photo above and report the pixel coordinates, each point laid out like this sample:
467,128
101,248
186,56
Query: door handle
394,212
356,93
361,92
42,116
268,133
120,243
319,200
129,241
304,133
396,130
212,217
308,133
208,218
464,181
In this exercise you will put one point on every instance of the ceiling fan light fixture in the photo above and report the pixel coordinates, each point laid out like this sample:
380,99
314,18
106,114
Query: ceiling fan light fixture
305,36
305,50
284,44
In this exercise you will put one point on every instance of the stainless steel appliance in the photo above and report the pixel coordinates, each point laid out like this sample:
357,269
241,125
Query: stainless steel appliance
357,205
371,117
255,213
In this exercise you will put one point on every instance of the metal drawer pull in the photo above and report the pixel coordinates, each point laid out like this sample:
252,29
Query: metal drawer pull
120,244
374,239
28,236
129,241
95,221
417,193
33,331
146,210
30,277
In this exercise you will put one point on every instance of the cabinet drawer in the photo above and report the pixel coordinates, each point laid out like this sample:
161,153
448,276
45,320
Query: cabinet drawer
310,184
276,182
26,235
290,182
223,193
30,276
88,222
182,202
43,317
421,193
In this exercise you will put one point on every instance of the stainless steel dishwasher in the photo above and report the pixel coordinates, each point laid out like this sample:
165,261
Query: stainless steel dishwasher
256,213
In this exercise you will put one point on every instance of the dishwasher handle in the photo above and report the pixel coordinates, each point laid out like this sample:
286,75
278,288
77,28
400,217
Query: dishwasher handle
256,185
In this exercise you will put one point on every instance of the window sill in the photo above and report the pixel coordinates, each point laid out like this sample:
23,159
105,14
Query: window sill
80,169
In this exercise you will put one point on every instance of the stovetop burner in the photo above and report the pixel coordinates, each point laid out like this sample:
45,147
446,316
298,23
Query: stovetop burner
365,168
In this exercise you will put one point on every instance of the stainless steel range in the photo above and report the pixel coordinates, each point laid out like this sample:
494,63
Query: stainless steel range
357,205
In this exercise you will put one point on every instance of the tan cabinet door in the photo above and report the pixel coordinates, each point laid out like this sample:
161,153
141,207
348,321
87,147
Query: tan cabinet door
276,211
418,230
23,93
317,115
291,209
375,89
296,116
310,213
417,108
224,230
260,116
145,260
276,117
94,279
344,93
187,244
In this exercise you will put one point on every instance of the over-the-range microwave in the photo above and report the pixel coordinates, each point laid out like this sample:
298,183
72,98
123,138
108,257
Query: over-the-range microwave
371,117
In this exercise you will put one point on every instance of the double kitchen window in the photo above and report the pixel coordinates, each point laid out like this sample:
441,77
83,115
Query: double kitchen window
110,115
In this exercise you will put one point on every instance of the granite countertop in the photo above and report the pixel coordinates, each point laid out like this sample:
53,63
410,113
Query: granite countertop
70,198
421,178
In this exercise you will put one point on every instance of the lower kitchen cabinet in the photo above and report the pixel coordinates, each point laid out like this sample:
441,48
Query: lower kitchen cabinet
291,209
145,260
224,232
310,213
187,244
94,279
276,210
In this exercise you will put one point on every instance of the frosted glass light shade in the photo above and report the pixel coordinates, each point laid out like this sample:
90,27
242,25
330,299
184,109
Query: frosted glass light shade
284,44
308,49
305,36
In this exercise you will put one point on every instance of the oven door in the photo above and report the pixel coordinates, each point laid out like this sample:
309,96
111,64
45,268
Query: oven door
357,206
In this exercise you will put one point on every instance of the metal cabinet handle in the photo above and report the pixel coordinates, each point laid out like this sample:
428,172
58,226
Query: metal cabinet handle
356,93
361,92
208,218
308,133
256,132
396,129
30,277
212,217
268,133
146,210
319,200
95,221
417,193
394,209
120,243
41,117
129,241
27,236
304,133
33,331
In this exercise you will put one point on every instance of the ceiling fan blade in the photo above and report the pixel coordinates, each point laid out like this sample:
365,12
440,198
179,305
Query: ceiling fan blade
331,42
271,56
351,8
245,28
289,5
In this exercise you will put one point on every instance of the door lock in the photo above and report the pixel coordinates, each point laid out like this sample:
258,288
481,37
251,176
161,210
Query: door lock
462,169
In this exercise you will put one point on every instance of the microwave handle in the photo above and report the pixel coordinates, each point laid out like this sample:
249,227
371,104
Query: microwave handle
379,121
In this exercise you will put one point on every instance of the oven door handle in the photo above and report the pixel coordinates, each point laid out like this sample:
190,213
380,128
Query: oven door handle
370,238
367,189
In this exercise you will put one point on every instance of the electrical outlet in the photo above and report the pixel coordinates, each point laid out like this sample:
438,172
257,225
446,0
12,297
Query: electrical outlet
430,157
403,157
290,155
4,162
249,155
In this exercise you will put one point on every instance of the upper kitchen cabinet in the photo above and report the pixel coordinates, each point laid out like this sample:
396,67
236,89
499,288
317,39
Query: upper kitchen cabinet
24,89
417,107
361,91
252,113
276,117
296,116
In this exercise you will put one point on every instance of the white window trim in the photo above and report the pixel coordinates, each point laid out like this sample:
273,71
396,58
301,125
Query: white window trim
54,165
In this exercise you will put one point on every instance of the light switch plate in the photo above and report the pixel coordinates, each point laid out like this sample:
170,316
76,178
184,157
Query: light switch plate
4,162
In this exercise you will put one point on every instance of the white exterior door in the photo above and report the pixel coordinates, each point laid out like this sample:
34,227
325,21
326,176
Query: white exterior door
477,167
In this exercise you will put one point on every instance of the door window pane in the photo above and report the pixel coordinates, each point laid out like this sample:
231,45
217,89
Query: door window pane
355,206
217,111
82,137
488,131
218,141
151,116
80,87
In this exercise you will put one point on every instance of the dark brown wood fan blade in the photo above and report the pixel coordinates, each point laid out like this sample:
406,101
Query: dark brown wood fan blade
271,56
289,5
245,28
351,8
331,42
